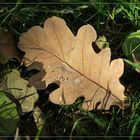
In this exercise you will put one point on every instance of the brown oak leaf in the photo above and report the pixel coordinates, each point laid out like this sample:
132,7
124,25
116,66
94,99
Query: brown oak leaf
7,46
71,62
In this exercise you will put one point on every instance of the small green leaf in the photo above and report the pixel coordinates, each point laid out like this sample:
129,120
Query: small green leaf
9,117
131,45
101,42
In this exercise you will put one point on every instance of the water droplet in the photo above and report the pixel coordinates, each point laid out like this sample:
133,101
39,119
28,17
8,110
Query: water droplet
65,80
57,68
50,66
61,78
78,81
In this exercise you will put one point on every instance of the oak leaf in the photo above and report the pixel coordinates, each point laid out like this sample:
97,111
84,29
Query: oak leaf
7,47
71,62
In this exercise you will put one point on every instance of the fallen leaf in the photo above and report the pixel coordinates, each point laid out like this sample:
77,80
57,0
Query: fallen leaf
71,62
7,47
101,42
18,87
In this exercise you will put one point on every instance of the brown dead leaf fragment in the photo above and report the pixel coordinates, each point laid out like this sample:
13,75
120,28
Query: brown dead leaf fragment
71,61
7,47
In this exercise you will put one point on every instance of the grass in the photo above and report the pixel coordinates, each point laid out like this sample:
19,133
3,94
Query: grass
115,20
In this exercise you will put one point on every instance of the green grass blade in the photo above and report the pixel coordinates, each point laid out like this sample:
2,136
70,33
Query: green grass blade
132,64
